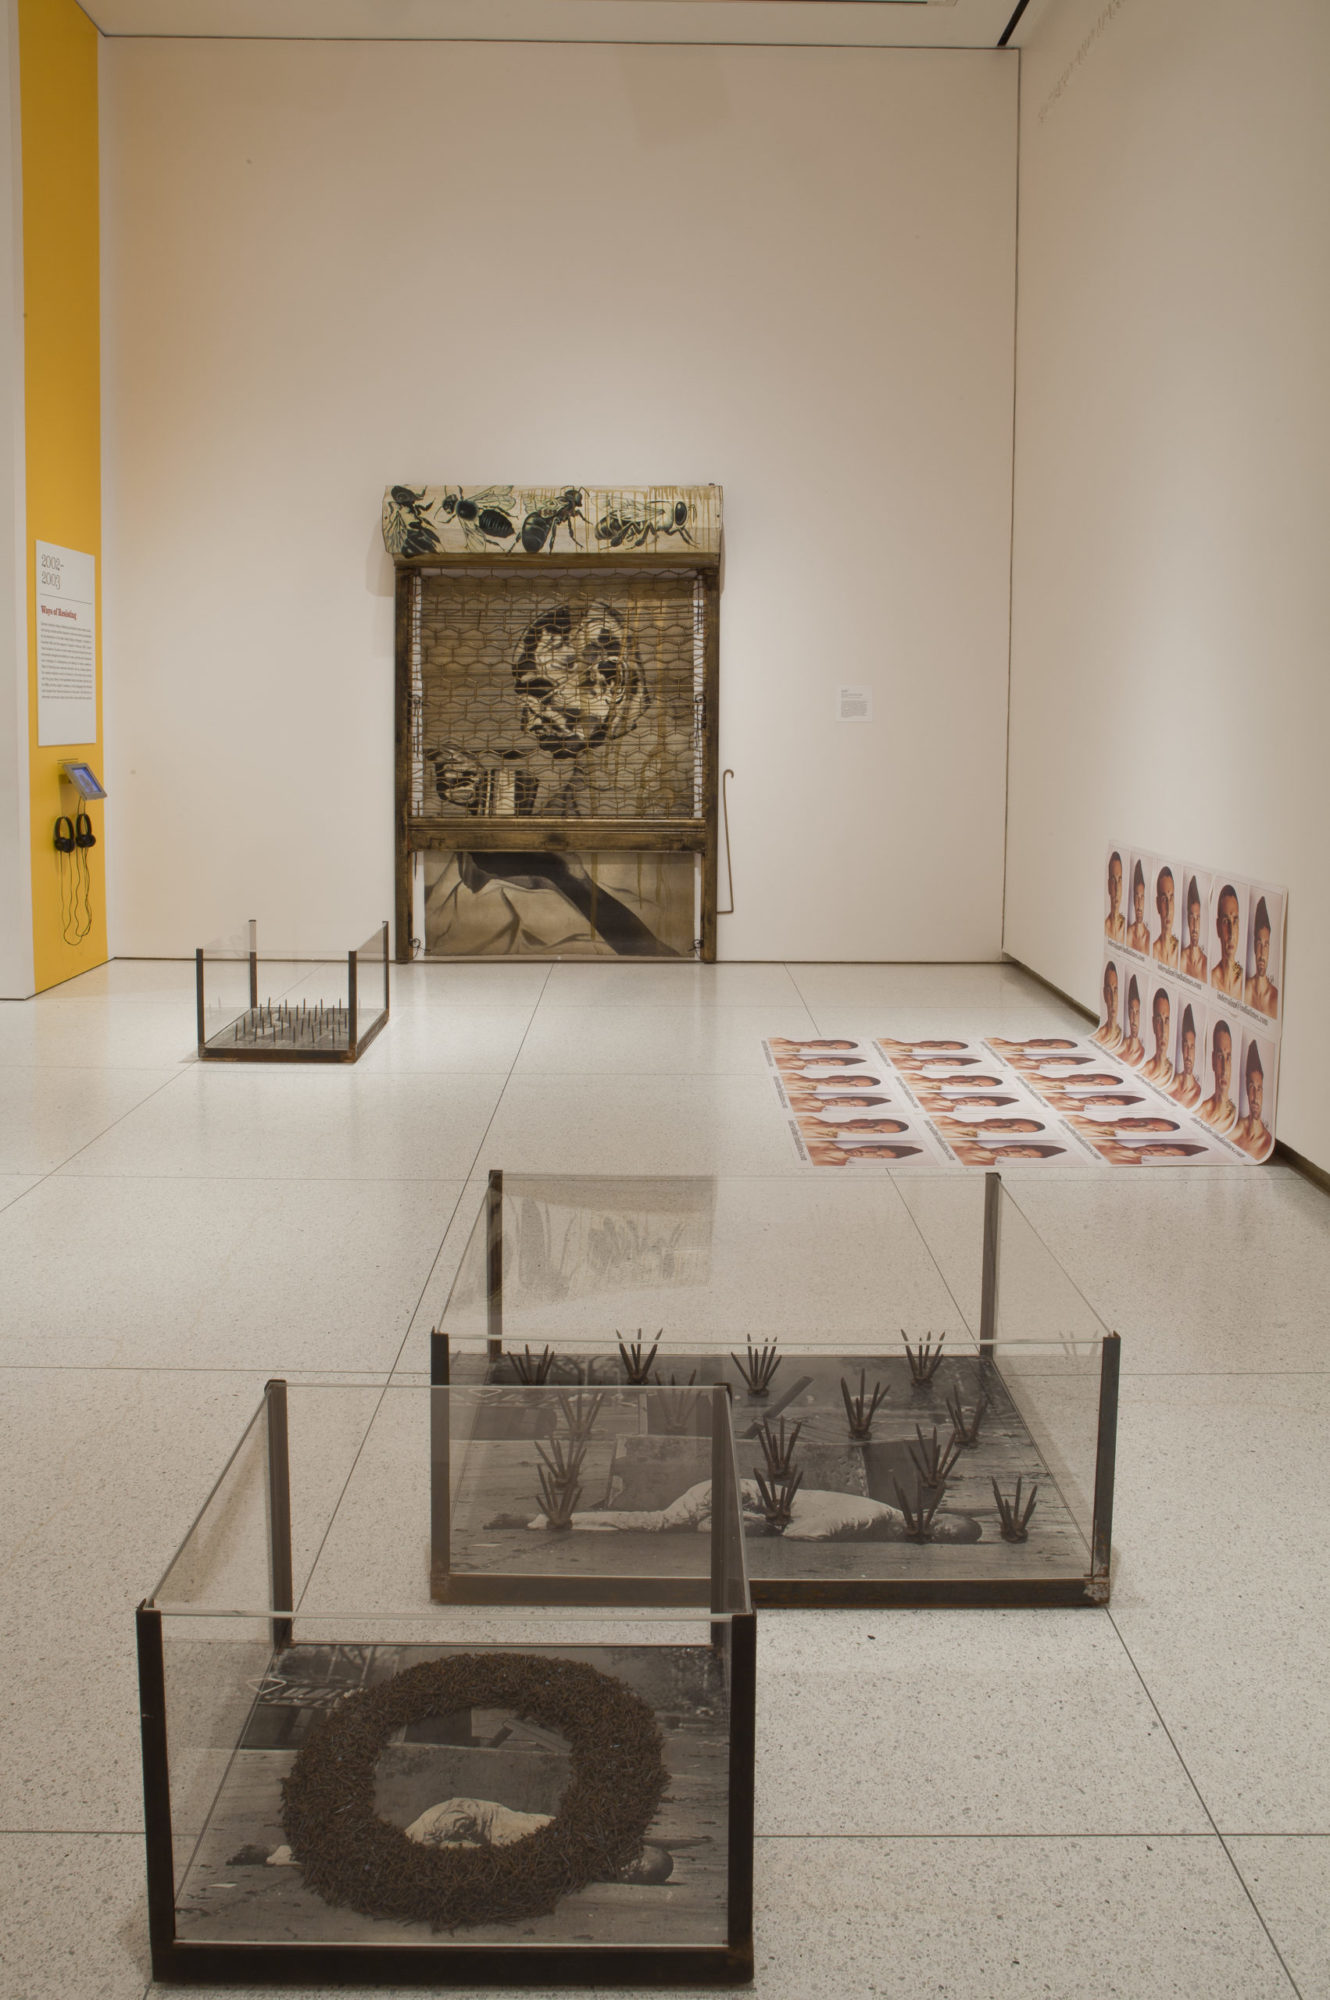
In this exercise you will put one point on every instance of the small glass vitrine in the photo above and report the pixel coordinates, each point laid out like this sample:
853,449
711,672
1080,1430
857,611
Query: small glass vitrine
932,1423
289,1006
376,1750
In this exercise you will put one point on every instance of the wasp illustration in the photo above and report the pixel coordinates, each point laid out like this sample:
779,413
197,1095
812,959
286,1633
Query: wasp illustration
485,517
542,525
656,517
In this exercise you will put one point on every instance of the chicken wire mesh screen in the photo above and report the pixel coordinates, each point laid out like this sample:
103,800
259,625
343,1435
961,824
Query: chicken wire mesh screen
571,696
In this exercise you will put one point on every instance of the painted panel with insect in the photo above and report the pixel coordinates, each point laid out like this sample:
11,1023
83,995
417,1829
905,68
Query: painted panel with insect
556,755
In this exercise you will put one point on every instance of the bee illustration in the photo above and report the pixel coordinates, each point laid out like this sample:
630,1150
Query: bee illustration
543,524
409,531
485,516
634,531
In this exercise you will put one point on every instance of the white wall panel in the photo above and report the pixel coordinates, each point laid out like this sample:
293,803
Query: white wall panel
1171,598
329,266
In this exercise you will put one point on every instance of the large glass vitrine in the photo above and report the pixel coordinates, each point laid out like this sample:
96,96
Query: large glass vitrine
929,1418
546,1778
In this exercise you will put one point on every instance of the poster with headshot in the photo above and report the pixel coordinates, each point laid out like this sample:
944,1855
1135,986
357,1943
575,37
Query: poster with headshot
1194,898
1218,1074
1263,984
1115,898
1161,1012
1165,943
1193,1017
1109,1032
1228,937
847,1107
1131,1049
1140,873
1253,1133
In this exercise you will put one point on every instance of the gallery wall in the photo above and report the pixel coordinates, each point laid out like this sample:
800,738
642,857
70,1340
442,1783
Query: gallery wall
16,974
58,95
331,266
1170,611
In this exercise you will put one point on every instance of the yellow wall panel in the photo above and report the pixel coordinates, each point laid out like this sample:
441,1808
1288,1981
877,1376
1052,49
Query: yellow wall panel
62,406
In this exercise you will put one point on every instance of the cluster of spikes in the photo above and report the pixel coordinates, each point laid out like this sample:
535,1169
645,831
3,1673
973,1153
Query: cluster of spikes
529,1367
294,1027
933,1462
1015,1519
635,1366
781,1478
759,1368
579,1412
965,1430
674,1406
560,1481
924,1360
861,1409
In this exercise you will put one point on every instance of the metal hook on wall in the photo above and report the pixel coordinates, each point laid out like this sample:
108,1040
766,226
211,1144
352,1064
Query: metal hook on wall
729,859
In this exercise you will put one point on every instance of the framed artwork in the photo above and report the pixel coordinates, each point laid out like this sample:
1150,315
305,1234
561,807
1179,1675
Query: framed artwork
557,663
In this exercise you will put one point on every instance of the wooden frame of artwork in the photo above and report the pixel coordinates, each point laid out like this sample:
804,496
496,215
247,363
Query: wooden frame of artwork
556,708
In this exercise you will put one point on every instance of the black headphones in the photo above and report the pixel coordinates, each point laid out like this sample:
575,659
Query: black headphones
83,833
64,842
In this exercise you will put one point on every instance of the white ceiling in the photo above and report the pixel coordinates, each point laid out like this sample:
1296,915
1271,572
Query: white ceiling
948,24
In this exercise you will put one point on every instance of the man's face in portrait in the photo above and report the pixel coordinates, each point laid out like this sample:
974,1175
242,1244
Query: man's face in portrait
1189,1052
1111,995
1261,951
1194,923
1221,1061
1138,901
1159,1022
1164,903
1115,885
1255,1094
576,685
1226,924
1134,1016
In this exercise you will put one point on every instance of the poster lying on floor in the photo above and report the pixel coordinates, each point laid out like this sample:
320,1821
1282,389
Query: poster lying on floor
1191,996
1048,1100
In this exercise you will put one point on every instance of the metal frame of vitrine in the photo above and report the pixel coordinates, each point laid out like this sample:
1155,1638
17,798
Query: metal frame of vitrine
189,1962
869,1592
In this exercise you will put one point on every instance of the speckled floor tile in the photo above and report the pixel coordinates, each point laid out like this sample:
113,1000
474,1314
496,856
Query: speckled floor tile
640,1125
732,984
186,1273
949,1722
48,1116
1130,1919
655,1041
1229,1271
1223,1576
14,1185
113,1031
1289,1881
75,1916
242,1120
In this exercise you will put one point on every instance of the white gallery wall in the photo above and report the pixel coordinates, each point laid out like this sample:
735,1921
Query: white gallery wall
1171,588
332,266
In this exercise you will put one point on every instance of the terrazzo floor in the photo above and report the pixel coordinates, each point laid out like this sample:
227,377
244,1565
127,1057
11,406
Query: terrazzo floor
1127,1802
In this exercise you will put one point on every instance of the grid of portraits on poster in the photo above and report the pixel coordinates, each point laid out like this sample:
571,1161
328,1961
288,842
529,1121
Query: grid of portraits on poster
1191,997
1053,1101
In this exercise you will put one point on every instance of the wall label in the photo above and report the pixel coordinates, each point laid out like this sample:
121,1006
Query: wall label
66,647
854,704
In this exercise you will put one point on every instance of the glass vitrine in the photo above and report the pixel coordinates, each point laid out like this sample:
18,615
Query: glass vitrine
289,1006
924,1405
378,1750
